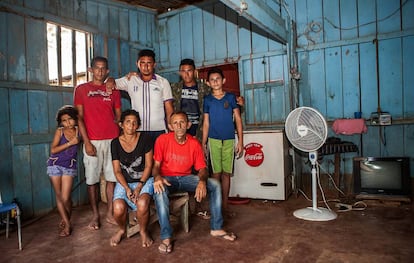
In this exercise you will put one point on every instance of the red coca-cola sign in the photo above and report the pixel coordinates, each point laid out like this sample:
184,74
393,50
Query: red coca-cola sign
253,154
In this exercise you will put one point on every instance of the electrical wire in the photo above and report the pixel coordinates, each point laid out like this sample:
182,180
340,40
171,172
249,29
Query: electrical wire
313,29
320,187
367,23
332,179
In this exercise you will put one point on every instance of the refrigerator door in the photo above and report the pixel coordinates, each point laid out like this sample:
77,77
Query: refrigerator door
263,172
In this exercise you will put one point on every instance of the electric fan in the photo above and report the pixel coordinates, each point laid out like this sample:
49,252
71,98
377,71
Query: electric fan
307,130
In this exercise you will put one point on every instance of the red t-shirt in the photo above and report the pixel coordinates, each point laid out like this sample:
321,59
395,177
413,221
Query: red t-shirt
98,110
177,159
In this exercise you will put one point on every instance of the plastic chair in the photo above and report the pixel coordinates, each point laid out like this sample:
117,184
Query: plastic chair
7,208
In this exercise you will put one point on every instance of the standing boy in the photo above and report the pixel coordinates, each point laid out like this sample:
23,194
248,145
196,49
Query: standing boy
220,114
99,113
189,95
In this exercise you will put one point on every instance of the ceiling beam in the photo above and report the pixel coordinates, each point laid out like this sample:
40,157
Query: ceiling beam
260,14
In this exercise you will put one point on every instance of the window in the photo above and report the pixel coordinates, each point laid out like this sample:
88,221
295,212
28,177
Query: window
68,55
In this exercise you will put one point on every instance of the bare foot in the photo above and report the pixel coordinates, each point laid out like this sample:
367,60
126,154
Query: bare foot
223,234
116,239
94,224
62,224
66,231
146,239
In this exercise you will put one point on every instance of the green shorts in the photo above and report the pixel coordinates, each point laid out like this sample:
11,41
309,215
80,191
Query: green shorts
221,155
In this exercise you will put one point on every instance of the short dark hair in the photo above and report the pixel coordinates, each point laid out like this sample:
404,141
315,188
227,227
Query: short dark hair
215,70
187,61
69,110
99,59
146,53
128,113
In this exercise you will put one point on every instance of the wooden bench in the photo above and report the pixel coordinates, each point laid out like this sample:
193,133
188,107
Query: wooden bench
179,203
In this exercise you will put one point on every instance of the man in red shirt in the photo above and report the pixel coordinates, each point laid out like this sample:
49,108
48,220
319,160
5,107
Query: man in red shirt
99,114
175,153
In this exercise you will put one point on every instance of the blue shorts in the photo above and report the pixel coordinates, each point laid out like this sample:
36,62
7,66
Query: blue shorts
120,193
57,170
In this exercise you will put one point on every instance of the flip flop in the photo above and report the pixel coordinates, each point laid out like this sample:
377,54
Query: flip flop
204,215
165,248
229,236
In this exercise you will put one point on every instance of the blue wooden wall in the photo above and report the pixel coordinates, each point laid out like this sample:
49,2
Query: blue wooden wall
28,104
337,63
336,59
214,34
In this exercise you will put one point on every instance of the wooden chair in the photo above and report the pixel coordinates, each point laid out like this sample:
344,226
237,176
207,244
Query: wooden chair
179,203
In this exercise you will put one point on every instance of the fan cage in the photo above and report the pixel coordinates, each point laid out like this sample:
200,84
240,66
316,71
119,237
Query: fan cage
306,129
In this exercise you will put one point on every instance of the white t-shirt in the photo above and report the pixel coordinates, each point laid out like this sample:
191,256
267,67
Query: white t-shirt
148,99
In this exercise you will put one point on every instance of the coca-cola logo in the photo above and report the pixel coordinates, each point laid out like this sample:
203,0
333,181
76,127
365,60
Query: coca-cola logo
253,155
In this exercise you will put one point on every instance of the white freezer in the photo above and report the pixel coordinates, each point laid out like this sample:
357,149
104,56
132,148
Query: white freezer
264,170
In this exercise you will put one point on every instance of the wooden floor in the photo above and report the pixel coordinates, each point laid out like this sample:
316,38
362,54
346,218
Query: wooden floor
267,232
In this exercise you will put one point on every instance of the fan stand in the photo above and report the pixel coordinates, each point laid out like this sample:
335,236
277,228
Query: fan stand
314,213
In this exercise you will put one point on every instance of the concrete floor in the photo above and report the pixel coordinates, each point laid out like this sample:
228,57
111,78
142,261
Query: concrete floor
267,232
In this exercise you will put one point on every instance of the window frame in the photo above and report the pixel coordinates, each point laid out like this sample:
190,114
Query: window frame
75,76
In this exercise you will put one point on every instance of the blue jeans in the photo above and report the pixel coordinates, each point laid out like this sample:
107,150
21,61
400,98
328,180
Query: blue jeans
189,184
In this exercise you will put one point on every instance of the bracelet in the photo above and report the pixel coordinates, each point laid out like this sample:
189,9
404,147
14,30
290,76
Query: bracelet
142,182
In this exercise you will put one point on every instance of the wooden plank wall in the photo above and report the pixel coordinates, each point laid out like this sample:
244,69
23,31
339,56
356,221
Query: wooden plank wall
28,104
337,61
213,34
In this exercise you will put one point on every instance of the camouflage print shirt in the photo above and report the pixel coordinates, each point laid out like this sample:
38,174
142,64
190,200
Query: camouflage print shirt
203,90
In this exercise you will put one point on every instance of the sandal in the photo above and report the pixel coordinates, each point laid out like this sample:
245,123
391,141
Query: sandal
165,248
229,236
204,215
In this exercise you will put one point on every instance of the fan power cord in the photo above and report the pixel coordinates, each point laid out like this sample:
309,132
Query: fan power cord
332,180
357,206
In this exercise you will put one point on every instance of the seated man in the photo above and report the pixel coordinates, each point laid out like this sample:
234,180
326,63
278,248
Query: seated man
174,155
132,163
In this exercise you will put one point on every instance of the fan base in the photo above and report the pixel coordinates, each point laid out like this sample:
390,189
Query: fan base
315,214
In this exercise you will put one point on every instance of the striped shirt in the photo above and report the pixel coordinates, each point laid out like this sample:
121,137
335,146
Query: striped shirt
148,99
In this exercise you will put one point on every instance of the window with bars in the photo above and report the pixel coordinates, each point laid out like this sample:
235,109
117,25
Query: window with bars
69,53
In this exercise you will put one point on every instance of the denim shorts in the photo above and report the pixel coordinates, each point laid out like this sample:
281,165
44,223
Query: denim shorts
57,170
120,193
